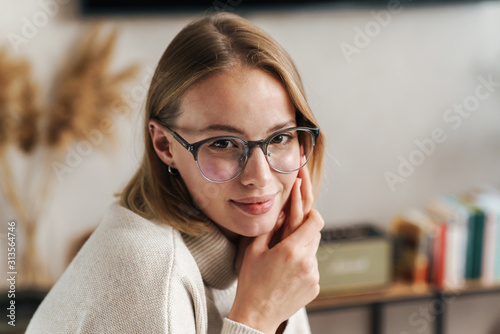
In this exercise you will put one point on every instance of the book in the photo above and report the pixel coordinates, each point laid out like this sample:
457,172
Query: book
439,254
475,220
489,202
414,233
437,251
454,215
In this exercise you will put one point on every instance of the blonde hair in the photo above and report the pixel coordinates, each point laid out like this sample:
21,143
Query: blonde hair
207,46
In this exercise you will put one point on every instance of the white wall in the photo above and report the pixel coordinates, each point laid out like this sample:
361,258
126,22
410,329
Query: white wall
372,107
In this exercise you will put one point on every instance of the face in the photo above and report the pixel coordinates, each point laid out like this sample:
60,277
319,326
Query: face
249,104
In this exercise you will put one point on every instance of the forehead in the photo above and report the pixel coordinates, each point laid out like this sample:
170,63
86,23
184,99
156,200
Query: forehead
251,100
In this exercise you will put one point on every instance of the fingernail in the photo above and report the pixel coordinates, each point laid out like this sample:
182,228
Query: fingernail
299,180
281,217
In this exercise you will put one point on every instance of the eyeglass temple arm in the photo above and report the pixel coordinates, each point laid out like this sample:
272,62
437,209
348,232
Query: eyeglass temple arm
181,140
316,134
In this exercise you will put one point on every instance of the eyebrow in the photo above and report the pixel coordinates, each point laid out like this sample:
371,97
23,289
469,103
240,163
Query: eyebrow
281,126
222,127
232,129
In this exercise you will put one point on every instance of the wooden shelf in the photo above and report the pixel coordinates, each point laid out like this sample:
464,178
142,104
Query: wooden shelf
473,287
395,293
398,292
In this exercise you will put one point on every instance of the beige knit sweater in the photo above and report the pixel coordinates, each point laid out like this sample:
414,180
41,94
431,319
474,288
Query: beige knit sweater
136,276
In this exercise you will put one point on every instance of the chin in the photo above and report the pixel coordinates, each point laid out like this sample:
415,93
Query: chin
254,227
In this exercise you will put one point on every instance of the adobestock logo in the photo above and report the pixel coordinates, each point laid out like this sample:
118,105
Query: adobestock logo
30,27
363,37
94,138
426,315
74,155
453,117
425,148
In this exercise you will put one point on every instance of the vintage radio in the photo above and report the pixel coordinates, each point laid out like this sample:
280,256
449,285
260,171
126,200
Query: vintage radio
354,258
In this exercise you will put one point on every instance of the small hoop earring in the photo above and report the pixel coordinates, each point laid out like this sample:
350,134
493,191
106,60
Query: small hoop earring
173,171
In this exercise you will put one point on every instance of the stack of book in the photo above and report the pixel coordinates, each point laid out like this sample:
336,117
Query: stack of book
453,240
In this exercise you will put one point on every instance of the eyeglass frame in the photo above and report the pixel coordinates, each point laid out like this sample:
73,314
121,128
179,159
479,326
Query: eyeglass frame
249,145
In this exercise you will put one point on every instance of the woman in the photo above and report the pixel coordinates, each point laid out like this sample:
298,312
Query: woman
215,233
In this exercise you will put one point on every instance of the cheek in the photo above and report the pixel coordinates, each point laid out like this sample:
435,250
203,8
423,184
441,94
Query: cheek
204,193
287,181
208,197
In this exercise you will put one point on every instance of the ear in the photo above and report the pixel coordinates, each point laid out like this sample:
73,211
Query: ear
161,142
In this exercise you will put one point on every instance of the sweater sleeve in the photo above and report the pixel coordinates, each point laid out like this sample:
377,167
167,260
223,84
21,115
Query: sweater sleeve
130,277
297,324
233,327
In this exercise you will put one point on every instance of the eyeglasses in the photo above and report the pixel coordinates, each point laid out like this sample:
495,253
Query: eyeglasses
221,159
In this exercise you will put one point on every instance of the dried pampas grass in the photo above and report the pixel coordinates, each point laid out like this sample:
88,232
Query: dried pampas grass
86,94
19,109
26,130
7,76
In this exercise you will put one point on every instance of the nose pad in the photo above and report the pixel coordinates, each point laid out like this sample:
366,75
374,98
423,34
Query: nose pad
261,152
257,169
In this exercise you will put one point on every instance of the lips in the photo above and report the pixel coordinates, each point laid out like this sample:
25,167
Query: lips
255,205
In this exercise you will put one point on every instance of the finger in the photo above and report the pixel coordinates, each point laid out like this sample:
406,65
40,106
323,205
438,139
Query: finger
243,244
296,210
314,243
308,232
280,221
263,242
277,231
306,190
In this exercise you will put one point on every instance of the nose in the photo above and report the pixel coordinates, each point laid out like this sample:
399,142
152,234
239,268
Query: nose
257,171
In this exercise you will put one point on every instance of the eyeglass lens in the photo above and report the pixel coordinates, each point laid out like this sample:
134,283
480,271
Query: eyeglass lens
223,159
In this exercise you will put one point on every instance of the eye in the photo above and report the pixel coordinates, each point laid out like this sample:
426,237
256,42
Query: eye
281,139
222,144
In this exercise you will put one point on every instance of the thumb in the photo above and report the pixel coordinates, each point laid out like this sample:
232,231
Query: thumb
242,247
263,241
278,230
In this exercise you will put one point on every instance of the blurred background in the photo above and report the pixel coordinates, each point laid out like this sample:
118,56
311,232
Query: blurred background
407,94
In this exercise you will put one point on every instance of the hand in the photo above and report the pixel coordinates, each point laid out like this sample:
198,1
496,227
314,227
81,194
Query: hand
274,283
300,204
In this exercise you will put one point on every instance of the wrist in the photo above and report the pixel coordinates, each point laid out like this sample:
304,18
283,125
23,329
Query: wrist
253,320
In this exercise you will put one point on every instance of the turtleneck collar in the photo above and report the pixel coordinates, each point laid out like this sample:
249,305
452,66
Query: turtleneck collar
214,254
